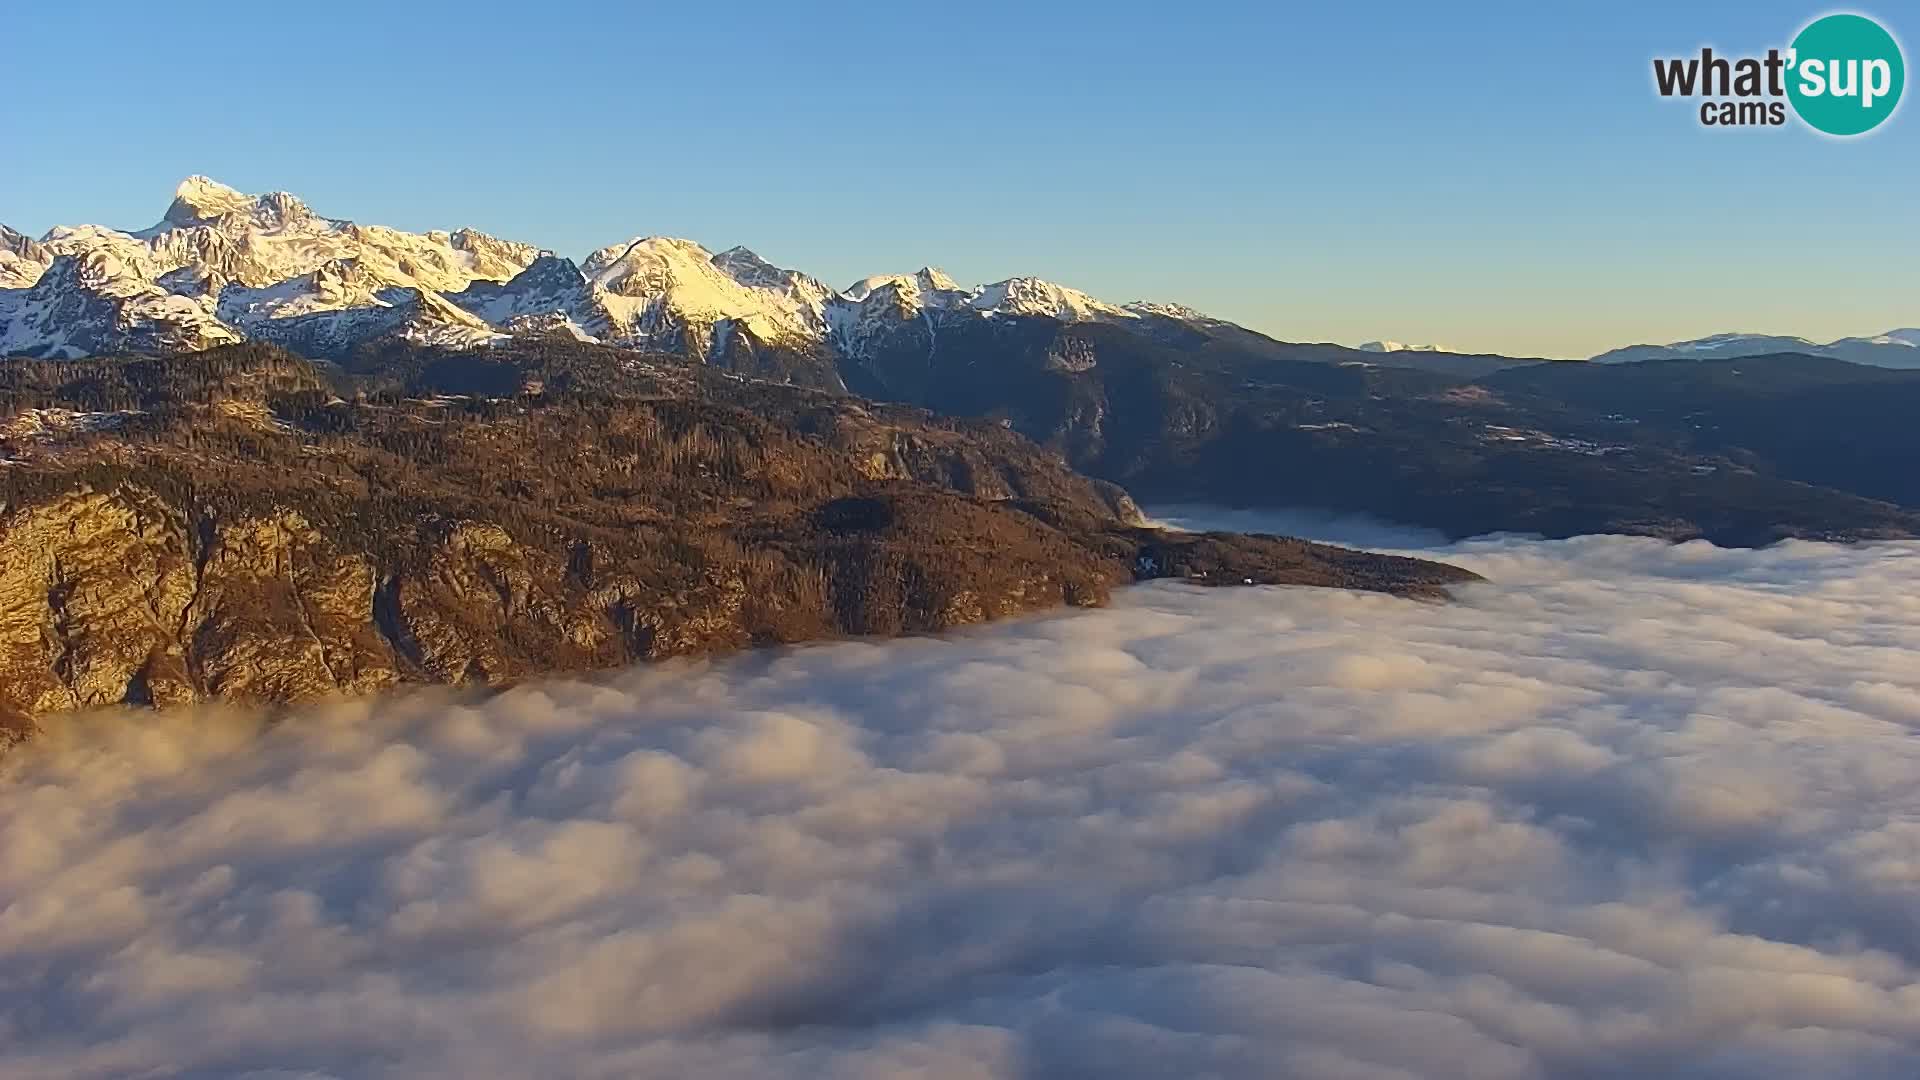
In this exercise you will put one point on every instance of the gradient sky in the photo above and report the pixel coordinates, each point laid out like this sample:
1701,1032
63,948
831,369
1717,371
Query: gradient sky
1497,177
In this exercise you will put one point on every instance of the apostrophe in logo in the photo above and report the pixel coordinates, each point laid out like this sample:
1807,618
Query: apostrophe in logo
1842,75
1846,74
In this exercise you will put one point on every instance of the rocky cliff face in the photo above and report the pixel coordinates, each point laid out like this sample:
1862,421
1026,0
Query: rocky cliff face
118,596
225,526
110,599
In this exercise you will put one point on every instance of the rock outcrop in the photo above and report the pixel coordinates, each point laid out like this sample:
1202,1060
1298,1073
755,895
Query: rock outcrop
225,526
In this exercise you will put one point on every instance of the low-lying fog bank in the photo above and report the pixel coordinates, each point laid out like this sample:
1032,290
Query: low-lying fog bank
1628,809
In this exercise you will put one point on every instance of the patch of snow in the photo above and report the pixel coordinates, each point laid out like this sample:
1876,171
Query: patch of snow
41,424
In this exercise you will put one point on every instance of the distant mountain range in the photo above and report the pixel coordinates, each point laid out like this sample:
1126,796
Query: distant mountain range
221,267
1893,349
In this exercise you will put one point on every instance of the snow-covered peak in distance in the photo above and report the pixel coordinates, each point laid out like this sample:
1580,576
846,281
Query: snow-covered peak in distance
547,283
238,265
1168,311
1399,346
671,293
806,292
1032,296
200,200
890,313
929,286
748,268
261,240
224,265
221,264
551,296
1893,349
1728,343
1907,337
204,212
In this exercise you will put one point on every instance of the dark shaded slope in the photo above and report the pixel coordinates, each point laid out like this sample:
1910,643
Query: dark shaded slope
1548,448
1809,418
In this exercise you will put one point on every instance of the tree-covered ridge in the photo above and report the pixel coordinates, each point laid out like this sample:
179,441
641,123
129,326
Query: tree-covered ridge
243,524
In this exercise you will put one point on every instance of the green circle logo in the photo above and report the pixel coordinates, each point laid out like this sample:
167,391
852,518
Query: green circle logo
1845,74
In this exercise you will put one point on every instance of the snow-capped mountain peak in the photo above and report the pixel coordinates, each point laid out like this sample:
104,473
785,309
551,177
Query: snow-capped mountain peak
929,285
1907,337
1893,349
550,274
745,266
224,265
221,264
646,265
1728,342
200,203
932,288
1032,296
668,293
1399,346
1168,311
200,200
551,296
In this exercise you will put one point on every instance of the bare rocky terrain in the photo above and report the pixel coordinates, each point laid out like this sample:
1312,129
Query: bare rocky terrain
240,524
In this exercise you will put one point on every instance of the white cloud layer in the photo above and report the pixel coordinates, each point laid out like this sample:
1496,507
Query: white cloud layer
1629,810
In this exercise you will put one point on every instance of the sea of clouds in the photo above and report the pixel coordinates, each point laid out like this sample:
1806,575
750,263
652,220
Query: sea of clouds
1627,810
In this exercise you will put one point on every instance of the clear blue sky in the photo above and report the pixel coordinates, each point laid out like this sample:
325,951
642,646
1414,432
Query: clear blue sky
1493,177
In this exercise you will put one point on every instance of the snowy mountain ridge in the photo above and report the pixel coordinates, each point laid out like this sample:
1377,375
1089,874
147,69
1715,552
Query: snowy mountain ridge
1894,349
1398,346
221,266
